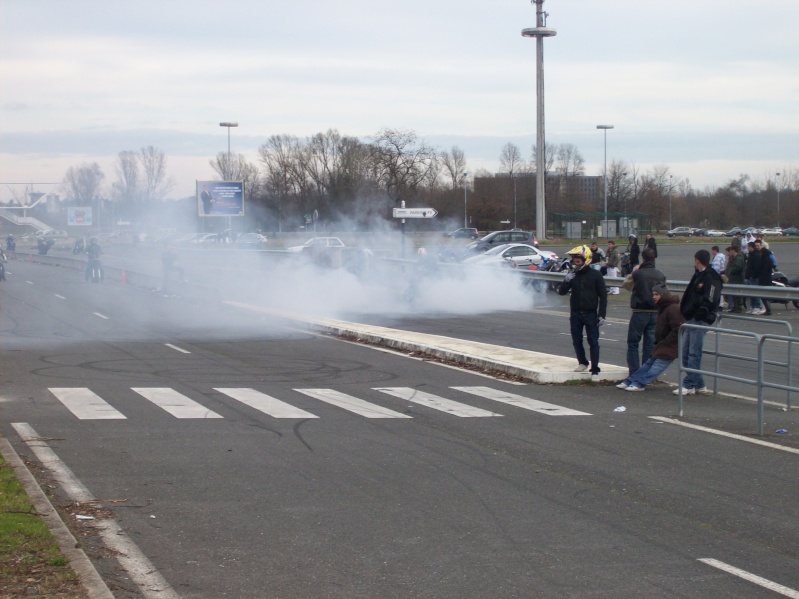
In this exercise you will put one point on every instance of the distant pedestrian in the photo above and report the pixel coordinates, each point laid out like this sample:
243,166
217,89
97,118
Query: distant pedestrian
699,305
644,312
766,270
652,244
717,260
667,329
633,251
736,267
597,256
754,263
737,242
588,304
612,260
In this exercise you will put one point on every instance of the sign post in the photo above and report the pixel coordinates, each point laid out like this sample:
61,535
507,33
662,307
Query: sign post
404,213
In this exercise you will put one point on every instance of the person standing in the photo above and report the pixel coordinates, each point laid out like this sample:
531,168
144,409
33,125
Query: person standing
736,267
667,330
644,316
597,256
652,244
612,262
752,275
736,241
634,251
717,261
766,269
588,307
698,306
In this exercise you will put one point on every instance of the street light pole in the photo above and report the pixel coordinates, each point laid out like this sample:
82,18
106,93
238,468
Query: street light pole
605,177
778,199
671,221
465,211
227,173
514,200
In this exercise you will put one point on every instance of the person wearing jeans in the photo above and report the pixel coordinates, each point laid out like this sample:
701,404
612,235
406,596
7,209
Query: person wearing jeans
641,329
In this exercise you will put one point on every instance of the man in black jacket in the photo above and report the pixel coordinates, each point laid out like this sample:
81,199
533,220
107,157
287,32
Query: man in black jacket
644,316
698,305
589,305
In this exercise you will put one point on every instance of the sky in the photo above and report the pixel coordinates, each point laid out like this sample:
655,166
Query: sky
709,88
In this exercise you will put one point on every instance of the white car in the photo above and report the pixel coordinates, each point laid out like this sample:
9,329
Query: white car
775,232
518,253
715,233
318,242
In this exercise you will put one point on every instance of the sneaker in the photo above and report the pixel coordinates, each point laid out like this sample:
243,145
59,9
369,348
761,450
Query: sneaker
685,391
594,377
581,368
702,391
622,385
758,312
634,388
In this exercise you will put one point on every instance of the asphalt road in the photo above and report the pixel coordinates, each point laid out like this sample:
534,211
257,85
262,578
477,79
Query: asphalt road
227,500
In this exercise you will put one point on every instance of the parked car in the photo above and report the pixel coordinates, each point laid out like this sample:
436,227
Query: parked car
771,232
733,231
699,232
253,241
318,242
790,231
714,233
52,234
501,238
681,232
466,233
518,253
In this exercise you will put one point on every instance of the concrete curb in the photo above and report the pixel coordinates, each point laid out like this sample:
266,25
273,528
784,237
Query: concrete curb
78,560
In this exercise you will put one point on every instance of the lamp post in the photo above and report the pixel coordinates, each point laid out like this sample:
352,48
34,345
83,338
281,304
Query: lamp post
514,200
465,211
778,198
227,174
671,222
605,176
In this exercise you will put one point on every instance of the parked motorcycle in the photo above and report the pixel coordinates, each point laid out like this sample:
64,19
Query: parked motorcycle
778,279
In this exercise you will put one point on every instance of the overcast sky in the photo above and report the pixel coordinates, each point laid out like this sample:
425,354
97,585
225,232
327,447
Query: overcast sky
709,88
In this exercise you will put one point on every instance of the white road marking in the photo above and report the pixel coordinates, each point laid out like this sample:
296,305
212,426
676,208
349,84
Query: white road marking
437,403
60,296
352,404
29,282
265,403
101,316
141,570
85,404
175,403
521,402
725,434
758,580
176,348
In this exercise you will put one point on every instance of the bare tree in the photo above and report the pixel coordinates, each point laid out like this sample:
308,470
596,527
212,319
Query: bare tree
569,161
401,162
155,183
126,189
510,159
454,165
83,183
238,169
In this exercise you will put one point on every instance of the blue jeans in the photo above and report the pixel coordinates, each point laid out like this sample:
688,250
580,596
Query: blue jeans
649,371
589,321
642,326
692,342
754,302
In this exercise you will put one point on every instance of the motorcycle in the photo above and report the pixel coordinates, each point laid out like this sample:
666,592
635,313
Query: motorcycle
778,279
44,245
11,244
564,266
625,268
94,270
80,246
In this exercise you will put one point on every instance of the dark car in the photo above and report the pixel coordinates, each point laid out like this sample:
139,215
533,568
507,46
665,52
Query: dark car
500,238
790,231
733,231
466,233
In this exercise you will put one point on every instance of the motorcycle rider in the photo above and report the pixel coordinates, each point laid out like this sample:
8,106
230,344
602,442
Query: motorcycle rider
11,244
93,251
589,304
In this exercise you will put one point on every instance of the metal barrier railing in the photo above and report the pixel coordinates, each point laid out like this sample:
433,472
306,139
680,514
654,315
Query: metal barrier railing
760,383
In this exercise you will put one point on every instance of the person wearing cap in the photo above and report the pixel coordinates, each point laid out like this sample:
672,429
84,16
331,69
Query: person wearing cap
666,338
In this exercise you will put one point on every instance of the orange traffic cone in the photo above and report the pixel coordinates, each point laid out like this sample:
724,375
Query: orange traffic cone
123,279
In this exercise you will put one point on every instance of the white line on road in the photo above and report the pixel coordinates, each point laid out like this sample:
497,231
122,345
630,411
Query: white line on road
176,348
85,404
352,404
265,403
29,282
175,403
521,402
141,570
437,403
60,296
763,582
725,434
101,315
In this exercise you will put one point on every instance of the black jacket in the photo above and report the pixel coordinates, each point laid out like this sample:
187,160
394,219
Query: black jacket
651,243
588,292
643,280
702,296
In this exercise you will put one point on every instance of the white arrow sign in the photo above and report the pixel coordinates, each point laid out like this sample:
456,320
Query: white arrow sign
415,212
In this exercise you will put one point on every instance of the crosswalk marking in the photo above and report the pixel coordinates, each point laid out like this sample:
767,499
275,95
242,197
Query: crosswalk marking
353,404
85,404
265,403
437,403
175,403
521,402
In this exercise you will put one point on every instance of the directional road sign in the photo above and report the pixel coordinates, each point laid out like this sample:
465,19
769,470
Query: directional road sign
415,212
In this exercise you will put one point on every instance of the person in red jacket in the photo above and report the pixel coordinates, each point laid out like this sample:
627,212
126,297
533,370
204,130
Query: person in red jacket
666,334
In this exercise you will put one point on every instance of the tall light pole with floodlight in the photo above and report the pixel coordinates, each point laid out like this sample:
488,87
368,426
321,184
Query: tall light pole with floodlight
227,173
465,211
671,221
778,198
539,32
605,177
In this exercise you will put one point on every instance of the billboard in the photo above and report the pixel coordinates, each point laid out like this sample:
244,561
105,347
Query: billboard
220,198
79,216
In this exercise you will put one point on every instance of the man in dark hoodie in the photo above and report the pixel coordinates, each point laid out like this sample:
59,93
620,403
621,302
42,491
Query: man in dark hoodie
644,316
666,334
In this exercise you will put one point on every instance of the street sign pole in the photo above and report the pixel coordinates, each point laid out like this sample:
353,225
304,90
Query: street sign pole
403,232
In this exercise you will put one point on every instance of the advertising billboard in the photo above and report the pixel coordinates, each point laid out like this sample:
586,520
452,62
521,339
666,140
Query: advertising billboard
220,198
79,216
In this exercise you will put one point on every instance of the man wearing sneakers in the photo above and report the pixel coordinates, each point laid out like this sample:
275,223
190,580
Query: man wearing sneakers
698,306
589,305
641,329
666,335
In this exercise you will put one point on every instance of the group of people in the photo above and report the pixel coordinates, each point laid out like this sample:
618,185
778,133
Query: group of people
748,261
657,314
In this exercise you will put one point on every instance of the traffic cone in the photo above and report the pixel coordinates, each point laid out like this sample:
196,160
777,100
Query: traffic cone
123,279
